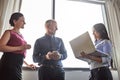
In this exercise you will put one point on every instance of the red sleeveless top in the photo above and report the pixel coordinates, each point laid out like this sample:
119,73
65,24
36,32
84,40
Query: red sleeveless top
16,40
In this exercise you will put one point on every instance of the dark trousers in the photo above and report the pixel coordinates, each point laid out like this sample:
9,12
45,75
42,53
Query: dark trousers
102,73
51,73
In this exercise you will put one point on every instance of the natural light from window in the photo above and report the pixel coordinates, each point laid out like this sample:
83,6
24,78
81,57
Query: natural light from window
73,18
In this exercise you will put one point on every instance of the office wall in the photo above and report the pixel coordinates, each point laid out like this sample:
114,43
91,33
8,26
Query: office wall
70,75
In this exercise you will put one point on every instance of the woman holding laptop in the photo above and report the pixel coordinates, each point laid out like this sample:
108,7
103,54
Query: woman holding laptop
99,66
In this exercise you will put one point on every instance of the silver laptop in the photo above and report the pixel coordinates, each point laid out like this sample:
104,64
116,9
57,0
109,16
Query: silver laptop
84,43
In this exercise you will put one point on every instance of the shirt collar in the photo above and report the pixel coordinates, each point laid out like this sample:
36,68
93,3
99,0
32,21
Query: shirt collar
48,36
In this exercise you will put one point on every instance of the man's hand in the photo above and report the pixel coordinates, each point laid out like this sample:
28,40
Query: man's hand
56,55
49,55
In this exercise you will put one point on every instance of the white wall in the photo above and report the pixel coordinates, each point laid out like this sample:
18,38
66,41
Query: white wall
69,75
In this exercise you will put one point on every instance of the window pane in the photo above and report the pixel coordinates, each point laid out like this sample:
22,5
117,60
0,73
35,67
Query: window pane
74,18
36,12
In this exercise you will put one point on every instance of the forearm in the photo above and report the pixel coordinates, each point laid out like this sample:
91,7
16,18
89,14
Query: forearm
26,63
63,56
31,66
63,53
94,58
38,58
8,48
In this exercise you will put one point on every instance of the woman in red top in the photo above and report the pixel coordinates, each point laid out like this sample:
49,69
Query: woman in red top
14,49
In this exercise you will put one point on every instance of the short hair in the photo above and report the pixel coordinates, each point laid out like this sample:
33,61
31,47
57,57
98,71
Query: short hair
100,28
49,22
15,16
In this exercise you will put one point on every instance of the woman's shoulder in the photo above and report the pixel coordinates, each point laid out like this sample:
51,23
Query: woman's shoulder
6,32
107,42
104,42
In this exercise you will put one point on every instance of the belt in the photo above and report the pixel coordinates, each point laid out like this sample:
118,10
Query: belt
50,66
100,68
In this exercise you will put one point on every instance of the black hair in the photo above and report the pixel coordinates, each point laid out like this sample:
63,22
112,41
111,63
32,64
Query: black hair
100,28
14,16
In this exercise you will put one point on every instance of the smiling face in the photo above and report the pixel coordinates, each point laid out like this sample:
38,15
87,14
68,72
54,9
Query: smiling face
96,34
100,32
17,20
20,22
51,27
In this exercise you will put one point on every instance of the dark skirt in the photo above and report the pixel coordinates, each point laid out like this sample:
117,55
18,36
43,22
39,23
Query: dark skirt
11,66
102,73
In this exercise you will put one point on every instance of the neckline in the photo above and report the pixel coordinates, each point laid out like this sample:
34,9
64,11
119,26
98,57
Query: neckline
16,32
